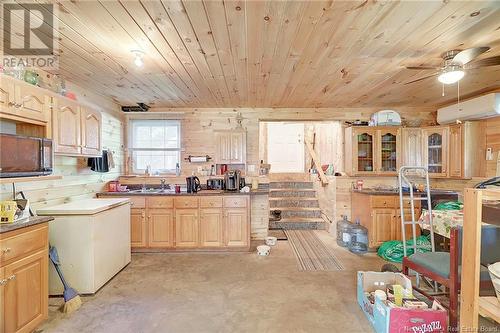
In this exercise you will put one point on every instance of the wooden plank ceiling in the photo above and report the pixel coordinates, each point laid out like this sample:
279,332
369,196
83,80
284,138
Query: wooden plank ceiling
217,53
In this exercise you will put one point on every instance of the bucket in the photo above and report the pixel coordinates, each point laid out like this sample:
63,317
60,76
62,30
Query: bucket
494,270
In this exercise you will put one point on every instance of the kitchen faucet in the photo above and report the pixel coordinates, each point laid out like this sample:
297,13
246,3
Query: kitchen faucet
162,182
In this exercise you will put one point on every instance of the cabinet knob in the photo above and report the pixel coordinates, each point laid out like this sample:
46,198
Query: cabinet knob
6,250
3,282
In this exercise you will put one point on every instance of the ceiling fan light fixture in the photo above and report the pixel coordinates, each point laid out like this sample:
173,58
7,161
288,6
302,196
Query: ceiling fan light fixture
138,58
451,76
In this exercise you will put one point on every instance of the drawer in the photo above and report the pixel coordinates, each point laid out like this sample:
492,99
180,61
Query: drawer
208,202
160,202
381,201
406,204
186,202
233,201
137,202
24,242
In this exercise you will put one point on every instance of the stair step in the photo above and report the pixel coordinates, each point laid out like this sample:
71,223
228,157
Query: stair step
297,212
291,202
297,225
293,185
290,193
301,220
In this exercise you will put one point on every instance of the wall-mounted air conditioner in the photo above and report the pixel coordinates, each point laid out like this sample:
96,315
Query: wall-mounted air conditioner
477,108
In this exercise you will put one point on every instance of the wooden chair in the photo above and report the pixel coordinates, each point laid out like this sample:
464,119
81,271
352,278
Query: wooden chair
444,267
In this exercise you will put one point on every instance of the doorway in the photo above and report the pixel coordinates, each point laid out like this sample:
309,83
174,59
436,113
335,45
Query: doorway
285,147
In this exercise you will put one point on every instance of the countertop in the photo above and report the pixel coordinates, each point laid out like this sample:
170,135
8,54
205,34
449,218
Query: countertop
371,191
33,220
83,207
172,193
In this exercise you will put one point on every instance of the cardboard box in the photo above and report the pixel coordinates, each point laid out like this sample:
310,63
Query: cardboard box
386,319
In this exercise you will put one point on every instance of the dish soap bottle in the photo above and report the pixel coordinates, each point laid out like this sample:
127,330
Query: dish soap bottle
177,170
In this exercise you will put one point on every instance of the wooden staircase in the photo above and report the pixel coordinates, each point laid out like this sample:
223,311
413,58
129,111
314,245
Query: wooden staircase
298,205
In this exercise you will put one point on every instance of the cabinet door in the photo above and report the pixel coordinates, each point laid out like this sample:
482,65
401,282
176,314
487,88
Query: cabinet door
363,146
382,226
223,151
411,144
455,151
397,234
236,227
186,227
138,228
3,282
7,93
211,227
66,127
238,147
91,132
387,151
436,150
32,102
26,293
161,227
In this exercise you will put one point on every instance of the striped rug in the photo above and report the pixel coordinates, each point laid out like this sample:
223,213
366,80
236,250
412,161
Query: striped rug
311,253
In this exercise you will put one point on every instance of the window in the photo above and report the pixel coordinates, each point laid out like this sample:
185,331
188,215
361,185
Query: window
155,143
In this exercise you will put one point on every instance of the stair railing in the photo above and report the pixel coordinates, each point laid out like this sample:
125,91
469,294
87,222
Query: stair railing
317,163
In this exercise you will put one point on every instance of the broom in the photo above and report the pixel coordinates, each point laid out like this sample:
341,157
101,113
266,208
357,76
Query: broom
72,300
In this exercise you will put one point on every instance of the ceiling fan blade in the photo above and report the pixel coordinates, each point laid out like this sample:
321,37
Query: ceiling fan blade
468,55
422,78
492,61
422,67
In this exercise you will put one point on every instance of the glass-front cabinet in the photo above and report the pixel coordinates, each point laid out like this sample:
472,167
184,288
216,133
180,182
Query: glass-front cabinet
387,151
372,150
435,149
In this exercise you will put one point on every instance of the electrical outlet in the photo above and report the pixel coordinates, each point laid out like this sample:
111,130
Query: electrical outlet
489,154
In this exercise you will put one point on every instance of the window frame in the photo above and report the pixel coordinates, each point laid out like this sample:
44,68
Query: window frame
132,149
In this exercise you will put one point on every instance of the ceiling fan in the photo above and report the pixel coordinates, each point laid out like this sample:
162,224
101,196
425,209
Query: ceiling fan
455,63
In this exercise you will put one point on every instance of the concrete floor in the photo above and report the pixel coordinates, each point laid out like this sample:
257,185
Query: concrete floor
234,292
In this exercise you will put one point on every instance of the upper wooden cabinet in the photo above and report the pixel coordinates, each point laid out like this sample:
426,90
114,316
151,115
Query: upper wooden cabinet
372,150
467,148
91,132
411,146
230,147
22,101
77,130
435,150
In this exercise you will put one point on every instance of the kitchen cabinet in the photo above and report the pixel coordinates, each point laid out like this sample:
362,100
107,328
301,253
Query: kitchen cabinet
230,147
211,226
466,150
435,150
186,227
77,130
91,127
411,146
22,101
236,227
372,150
138,230
160,227
380,214
24,278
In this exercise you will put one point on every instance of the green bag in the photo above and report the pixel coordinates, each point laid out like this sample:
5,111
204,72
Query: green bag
449,205
393,250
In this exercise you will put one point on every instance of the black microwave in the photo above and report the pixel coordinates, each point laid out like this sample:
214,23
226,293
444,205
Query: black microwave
24,156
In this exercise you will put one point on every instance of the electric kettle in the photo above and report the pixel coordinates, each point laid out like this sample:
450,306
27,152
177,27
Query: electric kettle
193,184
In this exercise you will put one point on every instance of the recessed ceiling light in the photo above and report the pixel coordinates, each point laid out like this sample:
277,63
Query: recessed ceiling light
138,58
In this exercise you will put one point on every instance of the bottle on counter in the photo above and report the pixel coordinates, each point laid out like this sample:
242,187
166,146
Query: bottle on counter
177,170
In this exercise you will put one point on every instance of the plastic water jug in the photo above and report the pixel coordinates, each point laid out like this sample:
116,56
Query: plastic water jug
359,239
344,231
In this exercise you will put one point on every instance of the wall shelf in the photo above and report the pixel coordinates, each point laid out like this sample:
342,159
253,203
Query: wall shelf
28,179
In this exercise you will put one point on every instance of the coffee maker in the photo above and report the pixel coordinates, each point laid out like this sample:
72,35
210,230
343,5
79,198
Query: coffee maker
193,184
232,180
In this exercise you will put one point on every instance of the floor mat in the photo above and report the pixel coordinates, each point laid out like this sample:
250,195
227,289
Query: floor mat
311,253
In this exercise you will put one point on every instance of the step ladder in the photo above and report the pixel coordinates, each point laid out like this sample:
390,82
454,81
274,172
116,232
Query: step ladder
410,176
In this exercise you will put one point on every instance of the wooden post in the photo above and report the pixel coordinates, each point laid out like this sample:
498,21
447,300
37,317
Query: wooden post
471,255
317,164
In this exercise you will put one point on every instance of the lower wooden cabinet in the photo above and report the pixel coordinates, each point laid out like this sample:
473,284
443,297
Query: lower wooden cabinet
380,214
236,227
138,228
190,222
186,227
211,226
24,279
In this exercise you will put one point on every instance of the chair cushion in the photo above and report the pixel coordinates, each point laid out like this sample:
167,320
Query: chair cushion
439,263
